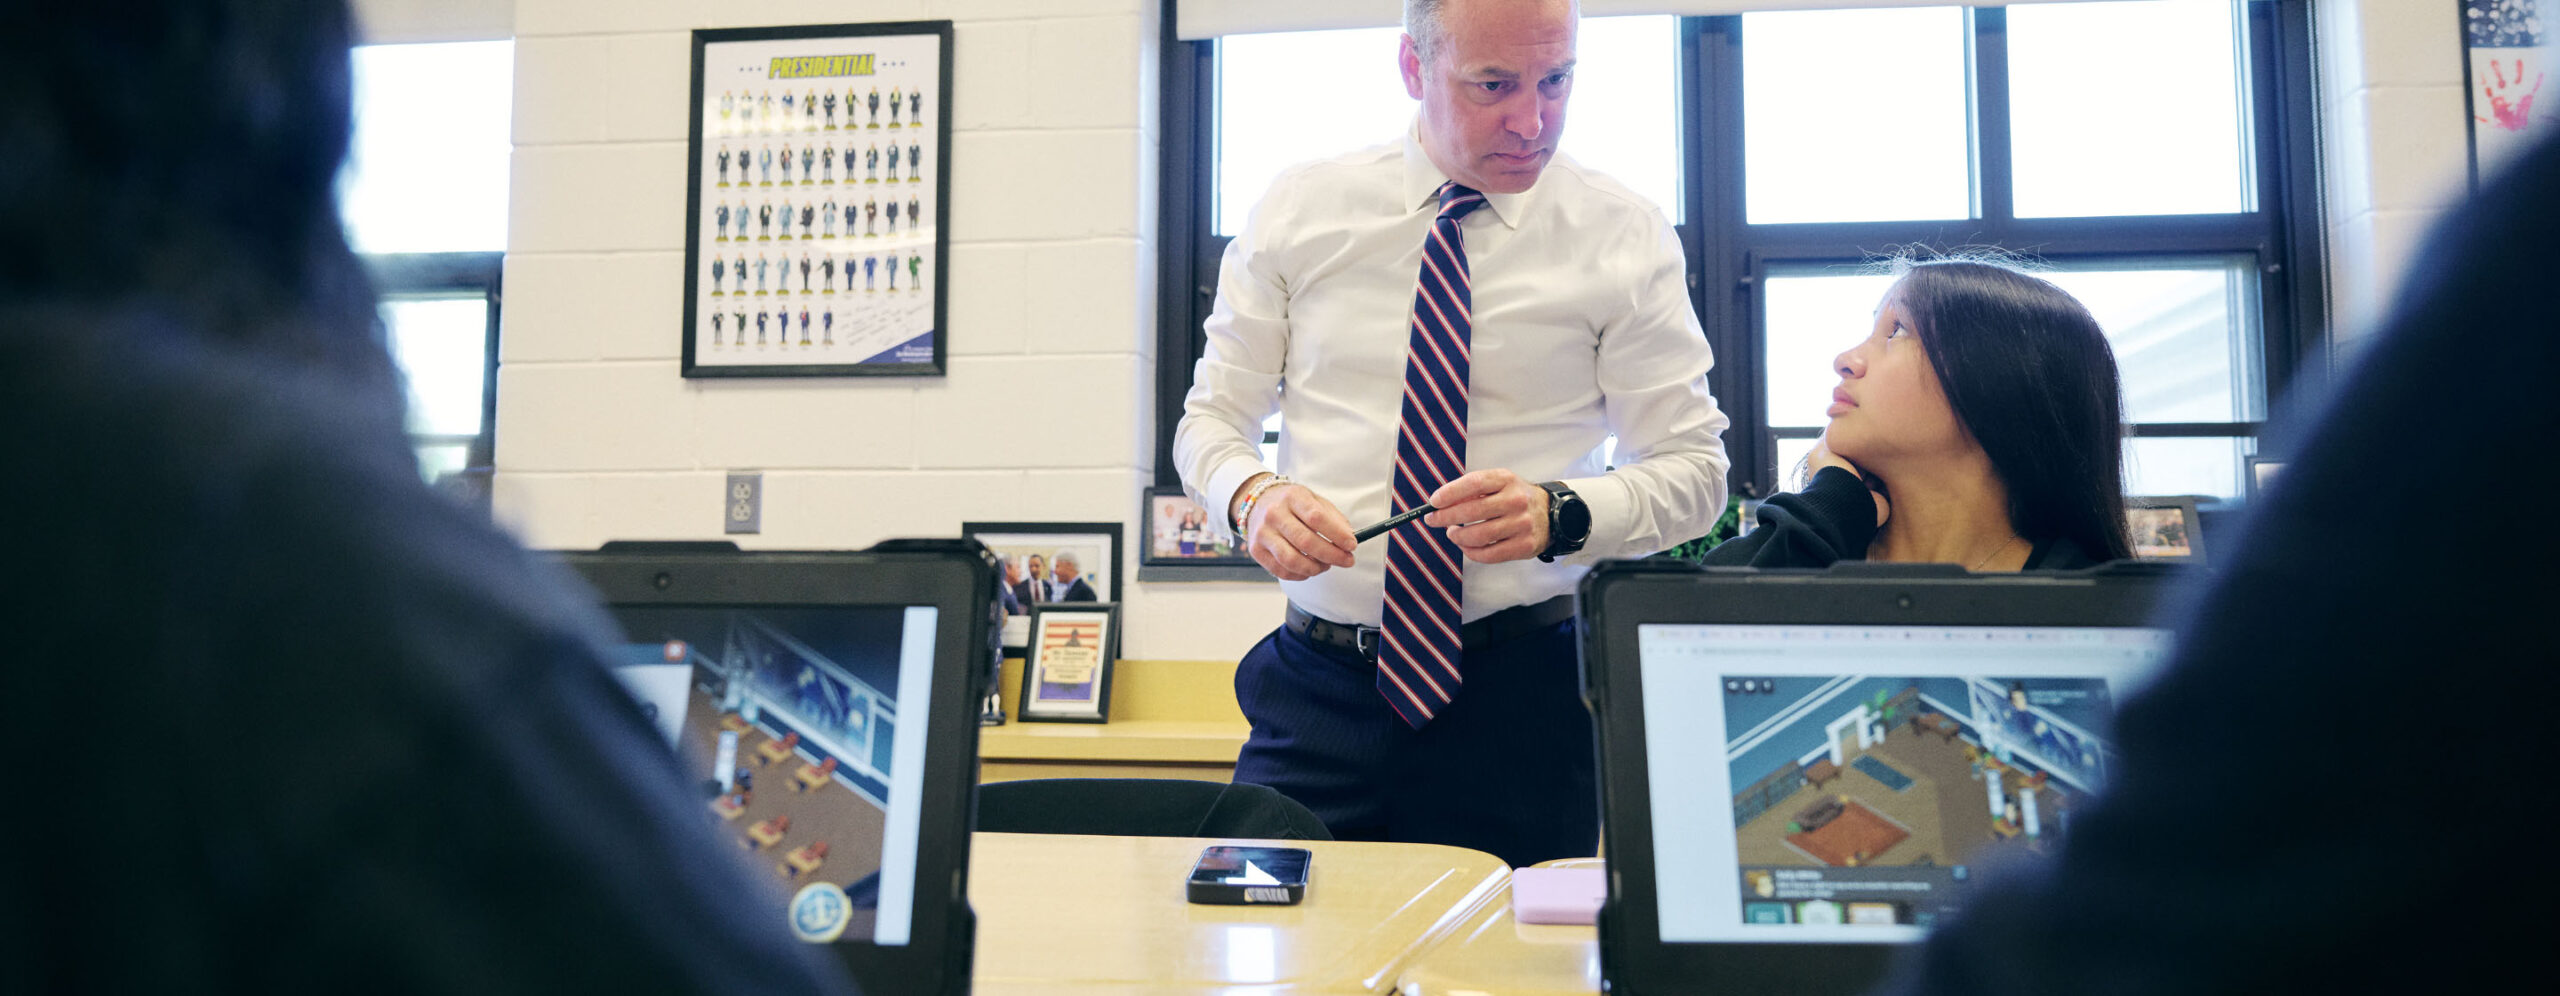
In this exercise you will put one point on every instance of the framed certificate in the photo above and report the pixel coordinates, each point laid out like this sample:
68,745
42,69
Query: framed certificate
1066,676
817,205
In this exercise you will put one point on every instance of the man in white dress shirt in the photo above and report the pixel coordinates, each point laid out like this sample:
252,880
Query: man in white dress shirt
1437,661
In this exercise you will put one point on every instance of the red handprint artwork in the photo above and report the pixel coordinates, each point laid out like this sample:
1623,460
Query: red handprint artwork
2506,109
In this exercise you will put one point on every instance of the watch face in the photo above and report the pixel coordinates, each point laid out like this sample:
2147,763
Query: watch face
1577,519
1572,518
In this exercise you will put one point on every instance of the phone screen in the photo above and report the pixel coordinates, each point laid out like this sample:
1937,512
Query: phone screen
1232,874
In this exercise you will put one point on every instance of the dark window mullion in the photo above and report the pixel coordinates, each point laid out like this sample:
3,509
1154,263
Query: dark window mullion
1185,257
484,449
2192,430
2133,235
1727,293
2294,285
1994,179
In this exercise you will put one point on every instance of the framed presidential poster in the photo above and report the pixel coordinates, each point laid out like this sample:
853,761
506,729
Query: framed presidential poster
816,203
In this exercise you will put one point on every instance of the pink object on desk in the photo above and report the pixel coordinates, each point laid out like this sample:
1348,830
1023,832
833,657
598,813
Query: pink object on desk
1558,895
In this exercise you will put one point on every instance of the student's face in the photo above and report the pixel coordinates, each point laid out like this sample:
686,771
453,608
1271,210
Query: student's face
1493,96
1889,405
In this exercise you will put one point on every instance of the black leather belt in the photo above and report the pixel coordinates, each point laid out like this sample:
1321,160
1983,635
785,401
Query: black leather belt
1492,629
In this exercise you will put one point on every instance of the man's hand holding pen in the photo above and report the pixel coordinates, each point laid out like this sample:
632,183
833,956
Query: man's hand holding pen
1493,515
1296,534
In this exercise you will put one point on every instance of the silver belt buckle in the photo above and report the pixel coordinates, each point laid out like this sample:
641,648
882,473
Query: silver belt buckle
1365,639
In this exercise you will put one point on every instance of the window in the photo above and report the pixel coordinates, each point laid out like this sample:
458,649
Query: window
424,198
1795,148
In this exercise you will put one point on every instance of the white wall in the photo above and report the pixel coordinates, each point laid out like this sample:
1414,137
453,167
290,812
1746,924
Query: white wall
1046,413
2395,150
397,22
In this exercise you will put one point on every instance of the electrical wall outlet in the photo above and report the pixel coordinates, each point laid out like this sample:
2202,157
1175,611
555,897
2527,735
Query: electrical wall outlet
742,505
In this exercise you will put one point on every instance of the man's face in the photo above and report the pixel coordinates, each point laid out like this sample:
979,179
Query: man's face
1066,571
1012,572
1493,95
1039,568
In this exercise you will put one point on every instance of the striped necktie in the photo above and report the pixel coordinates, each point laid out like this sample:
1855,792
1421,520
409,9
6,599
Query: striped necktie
1419,650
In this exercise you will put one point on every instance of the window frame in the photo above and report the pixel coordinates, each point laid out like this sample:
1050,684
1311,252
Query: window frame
1728,259
455,275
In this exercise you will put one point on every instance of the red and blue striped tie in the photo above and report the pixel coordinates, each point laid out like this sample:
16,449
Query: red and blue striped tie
1419,650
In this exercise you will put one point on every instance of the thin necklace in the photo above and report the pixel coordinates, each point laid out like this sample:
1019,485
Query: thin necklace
2003,548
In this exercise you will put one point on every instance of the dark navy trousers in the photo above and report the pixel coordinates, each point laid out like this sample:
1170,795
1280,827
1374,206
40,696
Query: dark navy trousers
1506,768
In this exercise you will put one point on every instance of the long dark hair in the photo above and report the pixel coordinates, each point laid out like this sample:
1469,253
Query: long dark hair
180,157
2032,377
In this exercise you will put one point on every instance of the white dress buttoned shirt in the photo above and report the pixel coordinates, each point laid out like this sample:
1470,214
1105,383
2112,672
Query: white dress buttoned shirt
1582,330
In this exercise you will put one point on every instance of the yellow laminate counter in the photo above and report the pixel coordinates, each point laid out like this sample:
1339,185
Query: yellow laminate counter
1086,915
1492,954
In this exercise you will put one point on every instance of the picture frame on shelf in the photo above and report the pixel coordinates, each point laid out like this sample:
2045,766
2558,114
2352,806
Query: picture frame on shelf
1180,541
1026,554
1066,672
2165,527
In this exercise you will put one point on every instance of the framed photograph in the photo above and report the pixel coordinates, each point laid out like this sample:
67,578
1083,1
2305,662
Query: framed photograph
2506,52
1048,562
1184,543
2262,472
1066,677
816,207
2165,528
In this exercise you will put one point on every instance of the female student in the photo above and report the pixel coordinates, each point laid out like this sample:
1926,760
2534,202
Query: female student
1977,424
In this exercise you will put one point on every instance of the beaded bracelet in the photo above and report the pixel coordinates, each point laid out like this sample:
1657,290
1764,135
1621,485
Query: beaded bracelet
1244,509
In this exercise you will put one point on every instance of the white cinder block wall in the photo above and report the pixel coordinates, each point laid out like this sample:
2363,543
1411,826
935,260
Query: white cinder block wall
1047,411
1046,414
2395,147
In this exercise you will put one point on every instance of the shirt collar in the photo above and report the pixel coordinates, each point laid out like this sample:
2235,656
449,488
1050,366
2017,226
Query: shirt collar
1422,182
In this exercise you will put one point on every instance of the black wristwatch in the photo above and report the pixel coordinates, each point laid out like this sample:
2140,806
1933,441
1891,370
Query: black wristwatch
1568,522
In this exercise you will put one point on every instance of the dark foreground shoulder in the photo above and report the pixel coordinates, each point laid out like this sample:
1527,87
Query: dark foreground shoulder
355,734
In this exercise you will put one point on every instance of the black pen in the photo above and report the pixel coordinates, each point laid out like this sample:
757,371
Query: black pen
1400,518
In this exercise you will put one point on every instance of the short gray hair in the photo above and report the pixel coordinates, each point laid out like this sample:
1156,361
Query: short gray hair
1422,21
1067,557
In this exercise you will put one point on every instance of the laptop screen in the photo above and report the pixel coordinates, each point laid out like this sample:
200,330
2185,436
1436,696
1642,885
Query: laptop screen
789,717
1867,772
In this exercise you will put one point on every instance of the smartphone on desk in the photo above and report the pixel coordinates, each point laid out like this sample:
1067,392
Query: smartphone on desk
1229,875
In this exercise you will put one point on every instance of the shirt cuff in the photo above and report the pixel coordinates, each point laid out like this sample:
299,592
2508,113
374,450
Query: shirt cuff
1612,503
1221,488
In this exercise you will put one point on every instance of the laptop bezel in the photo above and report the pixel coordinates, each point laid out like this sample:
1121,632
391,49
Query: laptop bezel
1617,598
956,577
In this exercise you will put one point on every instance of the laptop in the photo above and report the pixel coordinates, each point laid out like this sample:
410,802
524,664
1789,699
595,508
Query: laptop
1802,772
827,706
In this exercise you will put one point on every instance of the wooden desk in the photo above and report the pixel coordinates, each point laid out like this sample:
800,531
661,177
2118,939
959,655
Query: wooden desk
1491,954
1090,915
